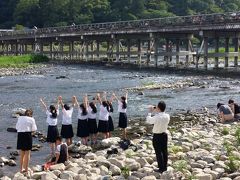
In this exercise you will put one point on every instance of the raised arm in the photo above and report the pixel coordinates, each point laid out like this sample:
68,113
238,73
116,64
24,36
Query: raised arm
61,101
57,105
75,101
126,95
43,104
85,101
99,99
114,97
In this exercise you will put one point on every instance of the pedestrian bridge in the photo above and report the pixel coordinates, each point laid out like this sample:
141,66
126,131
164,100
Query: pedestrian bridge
150,42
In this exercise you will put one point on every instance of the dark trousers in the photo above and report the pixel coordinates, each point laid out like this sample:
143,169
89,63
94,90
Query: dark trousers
160,142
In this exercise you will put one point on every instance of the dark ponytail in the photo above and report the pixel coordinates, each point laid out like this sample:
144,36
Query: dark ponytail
110,106
124,106
84,110
94,108
53,111
105,104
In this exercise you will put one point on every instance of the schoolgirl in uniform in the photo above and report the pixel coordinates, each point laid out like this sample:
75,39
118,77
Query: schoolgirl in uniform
25,126
103,125
52,121
110,120
67,129
92,121
122,109
82,128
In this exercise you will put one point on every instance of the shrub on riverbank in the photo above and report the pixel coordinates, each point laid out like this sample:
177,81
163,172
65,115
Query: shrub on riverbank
22,61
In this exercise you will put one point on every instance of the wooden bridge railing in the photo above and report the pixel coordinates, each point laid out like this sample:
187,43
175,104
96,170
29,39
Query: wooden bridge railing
180,21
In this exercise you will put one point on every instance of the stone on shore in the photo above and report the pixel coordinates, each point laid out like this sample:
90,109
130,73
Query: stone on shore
60,167
48,176
106,143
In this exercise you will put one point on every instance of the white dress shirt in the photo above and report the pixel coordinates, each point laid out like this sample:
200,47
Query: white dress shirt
51,121
91,114
103,114
160,122
80,115
26,124
120,107
67,116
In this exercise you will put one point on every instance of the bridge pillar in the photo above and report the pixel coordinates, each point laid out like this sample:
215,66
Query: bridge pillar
226,52
206,52
108,50
188,51
41,47
33,47
166,57
92,50
156,51
178,51
16,48
71,49
236,48
139,52
51,50
117,43
216,51
128,50
87,51
61,50
98,50
148,52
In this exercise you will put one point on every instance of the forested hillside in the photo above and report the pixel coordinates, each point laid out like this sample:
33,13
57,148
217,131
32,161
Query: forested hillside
44,13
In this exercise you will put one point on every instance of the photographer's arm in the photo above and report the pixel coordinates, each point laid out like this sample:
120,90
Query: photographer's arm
150,119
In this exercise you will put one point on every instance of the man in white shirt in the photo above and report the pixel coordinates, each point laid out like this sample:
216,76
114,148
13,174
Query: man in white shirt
160,137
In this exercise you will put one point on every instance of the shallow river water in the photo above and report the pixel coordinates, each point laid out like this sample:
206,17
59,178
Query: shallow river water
25,91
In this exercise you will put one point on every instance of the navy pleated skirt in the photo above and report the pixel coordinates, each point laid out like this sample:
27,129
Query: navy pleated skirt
92,126
110,124
52,134
24,141
67,131
123,121
103,126
82,129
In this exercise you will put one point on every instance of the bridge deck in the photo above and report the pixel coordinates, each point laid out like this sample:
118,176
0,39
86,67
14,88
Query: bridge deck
179,24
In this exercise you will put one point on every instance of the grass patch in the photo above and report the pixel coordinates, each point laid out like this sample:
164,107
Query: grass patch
225,131
21,61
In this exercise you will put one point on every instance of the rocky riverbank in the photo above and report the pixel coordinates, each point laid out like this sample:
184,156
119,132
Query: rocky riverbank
30,69
201,148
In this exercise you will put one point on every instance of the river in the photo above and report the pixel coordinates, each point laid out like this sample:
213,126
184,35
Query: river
25,91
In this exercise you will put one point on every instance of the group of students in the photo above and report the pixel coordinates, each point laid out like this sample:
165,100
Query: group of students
87,125
228,112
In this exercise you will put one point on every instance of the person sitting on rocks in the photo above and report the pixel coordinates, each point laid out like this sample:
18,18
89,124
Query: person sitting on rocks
61,154
225,113
235,109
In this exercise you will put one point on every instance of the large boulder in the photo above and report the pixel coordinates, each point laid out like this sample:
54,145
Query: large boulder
116,162
115,170
149,178
106,143
18,112
48,176
68,175
19,176
203,176
81,177
60,167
